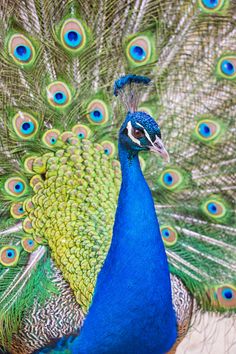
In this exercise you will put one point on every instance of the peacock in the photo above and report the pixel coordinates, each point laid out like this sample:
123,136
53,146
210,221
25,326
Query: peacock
136,259
60,172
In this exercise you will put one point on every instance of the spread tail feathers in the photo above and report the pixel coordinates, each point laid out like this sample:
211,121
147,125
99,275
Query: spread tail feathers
59,171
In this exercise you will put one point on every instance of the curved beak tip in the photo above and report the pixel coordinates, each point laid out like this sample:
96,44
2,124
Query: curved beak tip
160,150
166,156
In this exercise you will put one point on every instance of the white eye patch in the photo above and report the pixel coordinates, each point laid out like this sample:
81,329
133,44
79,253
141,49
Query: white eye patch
146,133
130,135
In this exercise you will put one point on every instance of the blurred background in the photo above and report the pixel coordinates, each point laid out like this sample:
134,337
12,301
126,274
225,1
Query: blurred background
210,335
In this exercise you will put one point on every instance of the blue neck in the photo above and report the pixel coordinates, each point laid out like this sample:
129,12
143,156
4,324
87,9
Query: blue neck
132,308
136,220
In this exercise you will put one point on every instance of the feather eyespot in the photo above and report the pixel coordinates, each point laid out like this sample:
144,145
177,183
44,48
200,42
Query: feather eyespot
169,235
15,186
81,131
226,296
215,208
50,137
171,179
29,244
21,49
208,131
226,67
25,125
9,256
73,35
139,50
108,148
17,210
58,94
212,6
97,112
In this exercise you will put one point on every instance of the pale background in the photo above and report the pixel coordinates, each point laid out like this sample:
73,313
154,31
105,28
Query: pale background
210,334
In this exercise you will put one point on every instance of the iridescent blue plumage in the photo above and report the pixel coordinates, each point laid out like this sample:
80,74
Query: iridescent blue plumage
128,79
135,277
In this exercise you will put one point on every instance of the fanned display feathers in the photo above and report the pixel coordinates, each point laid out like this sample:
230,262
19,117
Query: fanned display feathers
60,175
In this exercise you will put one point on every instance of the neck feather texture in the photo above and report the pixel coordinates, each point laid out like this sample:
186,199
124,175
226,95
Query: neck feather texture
132,309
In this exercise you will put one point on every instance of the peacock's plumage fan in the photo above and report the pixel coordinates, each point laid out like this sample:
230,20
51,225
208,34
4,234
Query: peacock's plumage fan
60,175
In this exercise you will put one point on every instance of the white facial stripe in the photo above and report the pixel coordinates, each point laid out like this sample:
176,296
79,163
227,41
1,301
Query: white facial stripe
140,125
129,128
157,142
146,134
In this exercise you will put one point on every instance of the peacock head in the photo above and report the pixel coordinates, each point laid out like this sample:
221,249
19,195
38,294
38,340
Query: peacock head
139,131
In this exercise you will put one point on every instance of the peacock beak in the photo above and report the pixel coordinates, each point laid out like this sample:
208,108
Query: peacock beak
159,148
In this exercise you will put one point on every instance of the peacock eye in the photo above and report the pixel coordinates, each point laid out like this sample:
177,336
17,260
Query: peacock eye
98,112
21,50
226,67
212,6
137,133
73,35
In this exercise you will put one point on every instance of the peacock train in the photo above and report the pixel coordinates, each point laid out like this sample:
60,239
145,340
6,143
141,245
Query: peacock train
69,171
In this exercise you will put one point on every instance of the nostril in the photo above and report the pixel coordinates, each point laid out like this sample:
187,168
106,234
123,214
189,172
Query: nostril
157,145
